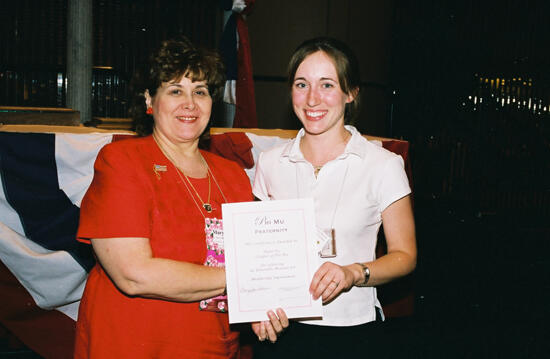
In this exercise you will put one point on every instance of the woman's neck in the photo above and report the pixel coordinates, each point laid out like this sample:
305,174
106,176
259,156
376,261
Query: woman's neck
185,156
322,148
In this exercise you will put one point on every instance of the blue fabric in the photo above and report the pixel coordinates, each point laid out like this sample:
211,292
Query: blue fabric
228,47
29,179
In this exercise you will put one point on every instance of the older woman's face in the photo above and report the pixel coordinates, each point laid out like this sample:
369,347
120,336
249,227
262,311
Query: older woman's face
181,109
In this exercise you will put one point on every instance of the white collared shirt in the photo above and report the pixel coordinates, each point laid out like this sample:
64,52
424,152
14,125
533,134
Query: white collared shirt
350,193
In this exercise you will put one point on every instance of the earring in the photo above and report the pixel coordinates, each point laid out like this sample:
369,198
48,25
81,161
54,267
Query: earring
149,111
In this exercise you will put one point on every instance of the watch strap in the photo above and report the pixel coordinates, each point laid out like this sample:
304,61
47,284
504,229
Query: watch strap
366,275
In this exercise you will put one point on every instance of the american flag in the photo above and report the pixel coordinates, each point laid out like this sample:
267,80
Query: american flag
43,268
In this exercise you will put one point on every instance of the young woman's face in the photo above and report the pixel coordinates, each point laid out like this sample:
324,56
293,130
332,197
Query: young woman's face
317,98
181,109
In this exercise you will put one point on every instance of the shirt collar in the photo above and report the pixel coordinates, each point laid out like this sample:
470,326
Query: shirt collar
355,146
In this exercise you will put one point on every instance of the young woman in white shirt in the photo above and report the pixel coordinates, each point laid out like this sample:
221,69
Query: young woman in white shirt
356,186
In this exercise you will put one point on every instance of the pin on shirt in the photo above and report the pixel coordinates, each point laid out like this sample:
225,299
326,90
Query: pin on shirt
157,169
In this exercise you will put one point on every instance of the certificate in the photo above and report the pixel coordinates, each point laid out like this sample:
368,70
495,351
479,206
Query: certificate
270,258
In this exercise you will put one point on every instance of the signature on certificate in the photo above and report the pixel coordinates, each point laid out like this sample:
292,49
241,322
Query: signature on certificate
252,290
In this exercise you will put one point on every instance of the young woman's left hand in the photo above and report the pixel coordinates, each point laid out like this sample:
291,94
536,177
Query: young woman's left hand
330,280
272,328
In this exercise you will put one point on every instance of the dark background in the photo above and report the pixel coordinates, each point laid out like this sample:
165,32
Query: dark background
465,82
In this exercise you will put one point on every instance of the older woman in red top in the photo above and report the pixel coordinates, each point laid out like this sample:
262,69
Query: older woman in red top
154,204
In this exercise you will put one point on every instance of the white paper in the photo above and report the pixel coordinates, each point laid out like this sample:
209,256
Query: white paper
270,258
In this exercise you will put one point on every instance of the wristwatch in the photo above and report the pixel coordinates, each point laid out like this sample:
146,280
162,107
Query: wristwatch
366,275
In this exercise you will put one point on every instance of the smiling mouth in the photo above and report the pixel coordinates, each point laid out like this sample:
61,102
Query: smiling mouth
186,119
315,115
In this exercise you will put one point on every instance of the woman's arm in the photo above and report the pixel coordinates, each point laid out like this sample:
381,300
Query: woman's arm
130,264
400,260
331,279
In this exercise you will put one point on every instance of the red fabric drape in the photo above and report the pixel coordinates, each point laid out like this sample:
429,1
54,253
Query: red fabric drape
47,332
234,146
245,112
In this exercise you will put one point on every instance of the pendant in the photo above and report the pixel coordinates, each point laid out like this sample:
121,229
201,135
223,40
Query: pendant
207,207
329,249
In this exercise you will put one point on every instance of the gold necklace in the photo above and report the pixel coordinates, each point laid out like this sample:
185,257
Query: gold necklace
215,181
317,168
206,205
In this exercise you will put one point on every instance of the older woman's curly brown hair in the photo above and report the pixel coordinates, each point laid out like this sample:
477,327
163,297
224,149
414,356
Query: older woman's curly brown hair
174,59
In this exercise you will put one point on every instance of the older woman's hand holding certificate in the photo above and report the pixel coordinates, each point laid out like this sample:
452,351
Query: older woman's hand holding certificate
271,256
